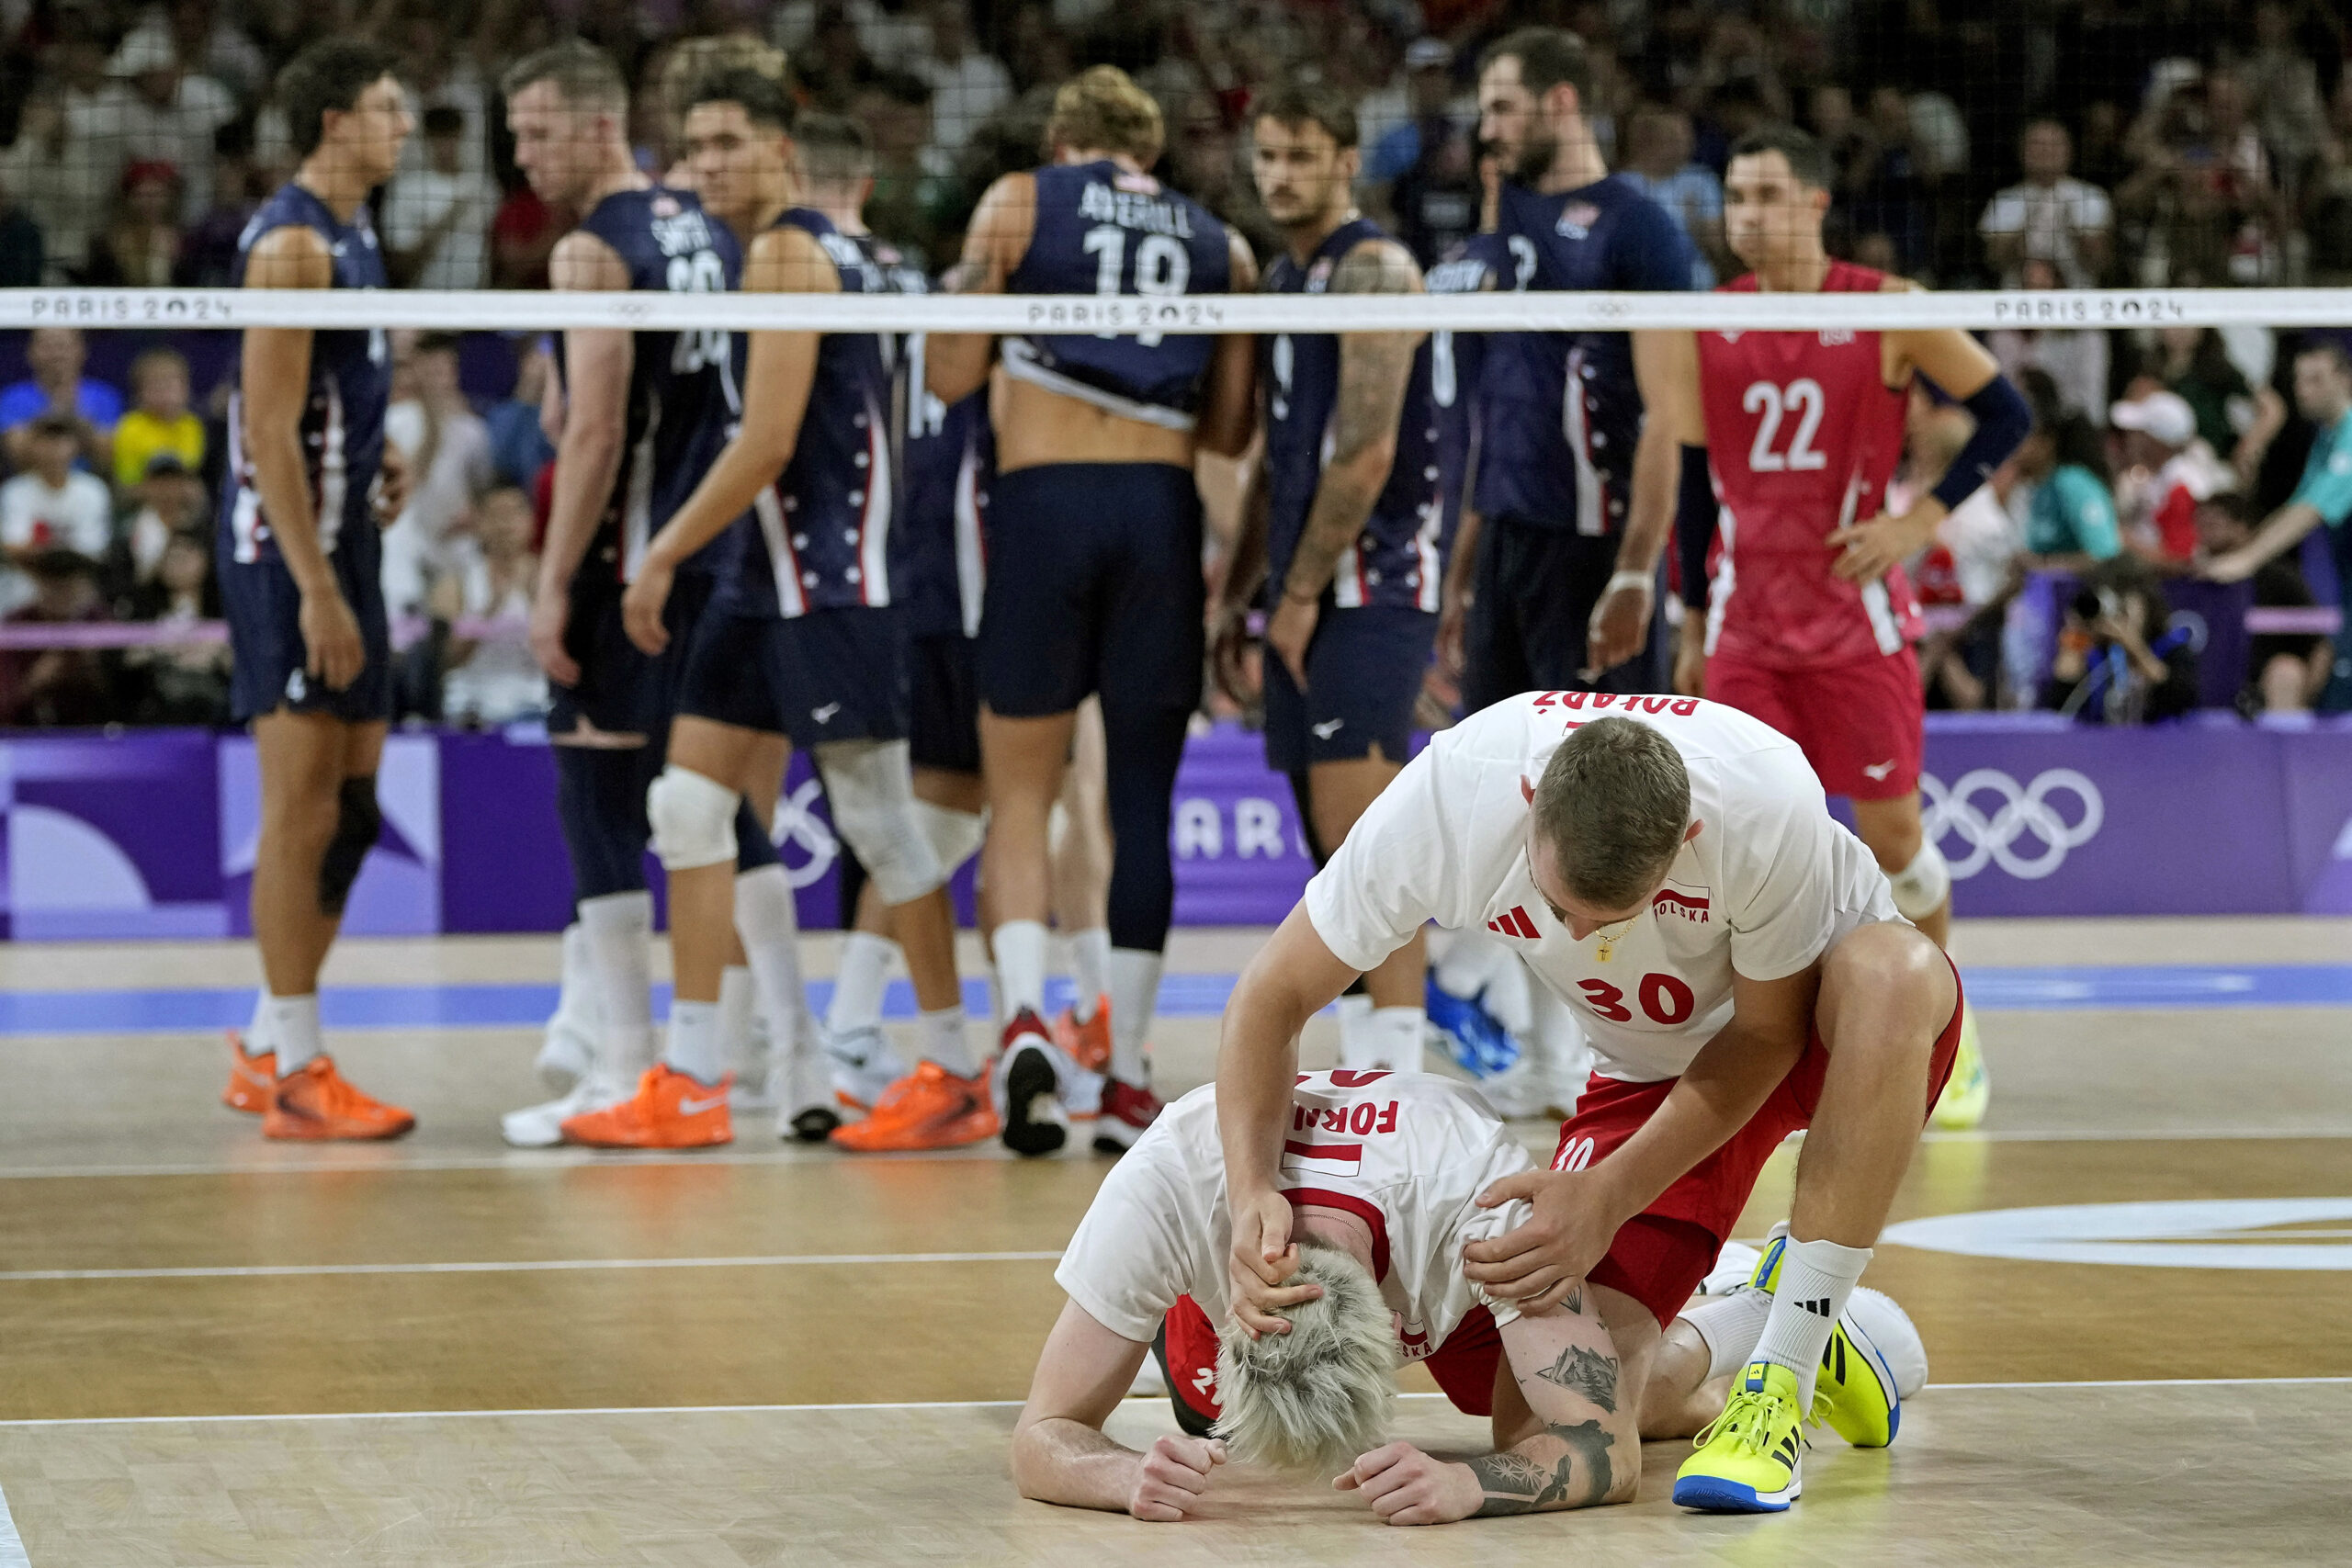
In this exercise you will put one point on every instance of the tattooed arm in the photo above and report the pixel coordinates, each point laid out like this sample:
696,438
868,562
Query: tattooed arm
1375,368
1572,1436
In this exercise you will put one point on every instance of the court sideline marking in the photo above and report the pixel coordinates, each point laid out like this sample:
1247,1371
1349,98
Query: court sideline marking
526,1266
12,1545
985,1405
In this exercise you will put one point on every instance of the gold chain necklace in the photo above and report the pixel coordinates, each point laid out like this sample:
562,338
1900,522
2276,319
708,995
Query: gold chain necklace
1609,939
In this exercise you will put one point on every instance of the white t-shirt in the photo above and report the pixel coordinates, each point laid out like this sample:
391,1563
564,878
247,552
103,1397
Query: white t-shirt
2048,217
1409,1152
1769,884
78,516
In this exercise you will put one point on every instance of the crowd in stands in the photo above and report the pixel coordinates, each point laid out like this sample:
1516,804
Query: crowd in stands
2058,145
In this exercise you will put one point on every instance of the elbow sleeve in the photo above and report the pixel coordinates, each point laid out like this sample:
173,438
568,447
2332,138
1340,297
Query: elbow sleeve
2003,422
1694,525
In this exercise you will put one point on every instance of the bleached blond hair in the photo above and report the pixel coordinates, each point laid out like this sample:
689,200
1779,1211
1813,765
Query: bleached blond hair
1314,1399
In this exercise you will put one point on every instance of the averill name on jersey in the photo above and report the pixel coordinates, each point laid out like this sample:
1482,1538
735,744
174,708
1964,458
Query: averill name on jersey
1133,209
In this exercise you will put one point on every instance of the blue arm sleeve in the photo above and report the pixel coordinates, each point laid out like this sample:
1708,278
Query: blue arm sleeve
2003,422
1694,526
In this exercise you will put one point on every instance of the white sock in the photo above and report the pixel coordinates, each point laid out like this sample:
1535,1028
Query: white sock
859,981
1090,970
620,934
735,1011
1020,966
693,1042
1731,1325
294,1030
765,920
257,1031
1135,996
574,997
1394,1036
1815,1279
1354,1016
942,1036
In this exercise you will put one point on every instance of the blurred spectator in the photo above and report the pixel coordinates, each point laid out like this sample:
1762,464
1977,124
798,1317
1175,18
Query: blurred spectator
2167,473
2070,521
47,687
43,172
441,75
1887,189
2280,77
204,41
169,499
2322,497
966,85
2235,417
55,357
208,256
447,447
50,505
2118,662
1427,162
2203,197
152,110
890,35
22,252
1395,121
159,422
2284,672
141,246
522,237
519,447
1972,564
177,682
2049,216
2076,359
1658,144
911,190
496,679
437,217
833,66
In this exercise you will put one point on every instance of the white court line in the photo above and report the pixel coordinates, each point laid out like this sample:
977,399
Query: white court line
527,1266
12,1546
955,1404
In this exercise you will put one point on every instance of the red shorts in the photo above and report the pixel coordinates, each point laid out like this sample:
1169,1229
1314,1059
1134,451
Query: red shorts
1861,725
1660,1254
1464,1366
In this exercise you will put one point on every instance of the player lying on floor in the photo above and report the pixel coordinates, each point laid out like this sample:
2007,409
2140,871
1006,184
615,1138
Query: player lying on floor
1383,1171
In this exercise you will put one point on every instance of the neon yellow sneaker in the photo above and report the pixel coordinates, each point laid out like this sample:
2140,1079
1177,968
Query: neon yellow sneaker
1970,1089
1860,1389
1750,1459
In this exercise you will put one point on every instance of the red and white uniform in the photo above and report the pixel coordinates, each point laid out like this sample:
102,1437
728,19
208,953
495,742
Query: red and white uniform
1769,883
1804,435
1408,1153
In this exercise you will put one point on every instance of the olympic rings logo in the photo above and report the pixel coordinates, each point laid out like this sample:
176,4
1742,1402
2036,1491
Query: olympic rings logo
2023,814
797,823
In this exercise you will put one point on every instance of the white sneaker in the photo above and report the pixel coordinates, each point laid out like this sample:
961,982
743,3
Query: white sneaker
541,1126
1517,1093
1734,1265
755,1074
863,1063
799,1088
565,1055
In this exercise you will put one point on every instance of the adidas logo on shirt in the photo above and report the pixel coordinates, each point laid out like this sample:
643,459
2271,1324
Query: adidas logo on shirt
1516,924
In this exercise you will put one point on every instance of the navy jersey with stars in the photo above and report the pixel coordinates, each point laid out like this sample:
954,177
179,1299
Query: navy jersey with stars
1456,362
1103,230
1559,411
820,537
343,414
683,398
1397,559
946,464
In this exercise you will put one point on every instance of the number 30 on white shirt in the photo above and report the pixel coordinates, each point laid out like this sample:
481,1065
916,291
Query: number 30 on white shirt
1802,397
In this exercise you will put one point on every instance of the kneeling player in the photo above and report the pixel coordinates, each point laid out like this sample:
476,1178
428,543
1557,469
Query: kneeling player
1383,1171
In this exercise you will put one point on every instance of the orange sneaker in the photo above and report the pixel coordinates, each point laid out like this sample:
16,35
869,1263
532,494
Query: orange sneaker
1087,1043
931,1108
670,1111
313,1104
251,1078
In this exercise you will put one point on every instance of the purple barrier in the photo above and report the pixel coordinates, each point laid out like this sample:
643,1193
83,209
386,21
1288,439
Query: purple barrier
151,834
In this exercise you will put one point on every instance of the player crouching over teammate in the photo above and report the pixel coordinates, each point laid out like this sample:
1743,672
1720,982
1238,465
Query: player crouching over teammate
1383,1219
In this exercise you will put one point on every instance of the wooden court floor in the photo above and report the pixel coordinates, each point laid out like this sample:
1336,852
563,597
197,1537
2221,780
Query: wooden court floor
219,1351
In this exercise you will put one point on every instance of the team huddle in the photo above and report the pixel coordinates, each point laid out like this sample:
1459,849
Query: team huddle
765,540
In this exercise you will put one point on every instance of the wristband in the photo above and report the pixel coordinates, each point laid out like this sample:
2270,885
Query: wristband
1643,579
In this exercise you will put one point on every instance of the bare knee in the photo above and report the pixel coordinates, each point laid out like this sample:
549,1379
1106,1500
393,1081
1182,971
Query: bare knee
1888,976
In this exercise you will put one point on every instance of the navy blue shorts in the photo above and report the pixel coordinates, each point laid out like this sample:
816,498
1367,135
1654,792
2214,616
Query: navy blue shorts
1094,585
945,731
1364,674
1534,591
827,675
623,688
266,653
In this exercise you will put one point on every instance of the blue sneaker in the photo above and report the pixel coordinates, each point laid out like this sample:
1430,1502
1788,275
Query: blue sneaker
1474,1038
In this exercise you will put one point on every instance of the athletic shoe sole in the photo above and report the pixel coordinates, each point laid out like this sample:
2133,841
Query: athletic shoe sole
813,1125
1029,1077
1710,1494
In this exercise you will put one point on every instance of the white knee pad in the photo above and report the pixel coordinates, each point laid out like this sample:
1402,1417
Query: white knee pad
1921,887
871,786
692,818
955,835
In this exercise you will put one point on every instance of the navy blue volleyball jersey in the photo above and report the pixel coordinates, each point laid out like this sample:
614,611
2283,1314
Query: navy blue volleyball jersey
821,538
947,465
1397,560
1457,360
684,400
351,378
1101,230
1560,413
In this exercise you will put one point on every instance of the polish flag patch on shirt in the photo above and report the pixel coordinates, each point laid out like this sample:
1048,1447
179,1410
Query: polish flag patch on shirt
1515,923
1321,1159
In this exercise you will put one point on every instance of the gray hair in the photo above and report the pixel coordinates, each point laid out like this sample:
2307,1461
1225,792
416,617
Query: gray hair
1314,1399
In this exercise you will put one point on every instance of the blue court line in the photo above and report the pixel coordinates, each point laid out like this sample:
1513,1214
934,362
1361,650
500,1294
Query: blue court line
1181,995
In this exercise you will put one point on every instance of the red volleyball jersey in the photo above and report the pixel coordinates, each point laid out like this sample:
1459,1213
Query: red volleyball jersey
1802,435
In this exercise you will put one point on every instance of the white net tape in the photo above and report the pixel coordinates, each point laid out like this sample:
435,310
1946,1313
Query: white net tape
490,311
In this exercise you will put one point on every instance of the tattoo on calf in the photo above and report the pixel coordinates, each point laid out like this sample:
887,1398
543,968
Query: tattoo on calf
1514,1484
1588,1372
